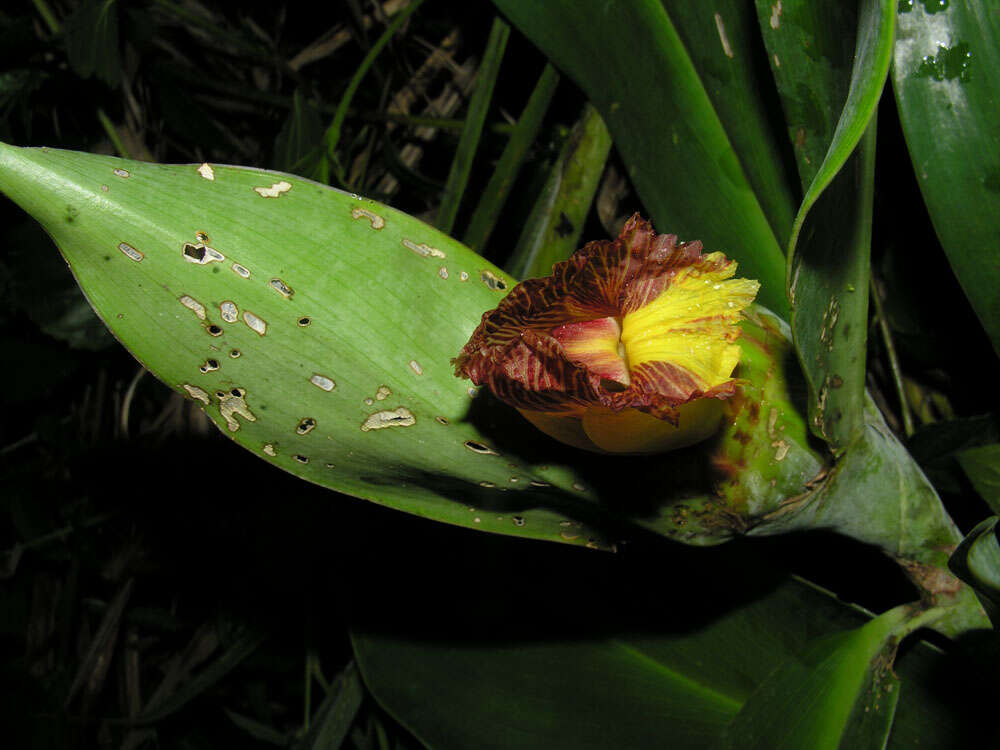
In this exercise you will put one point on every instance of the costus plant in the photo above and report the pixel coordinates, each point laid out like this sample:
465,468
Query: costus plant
693,379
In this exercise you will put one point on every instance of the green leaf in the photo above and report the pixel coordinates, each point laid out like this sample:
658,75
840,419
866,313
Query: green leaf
502,180
828,257
554,227
935,447
536,647
475,118
336,714
630,60
876,493
840,693
92,41
982,465
344,378
329,325
944,75
977,562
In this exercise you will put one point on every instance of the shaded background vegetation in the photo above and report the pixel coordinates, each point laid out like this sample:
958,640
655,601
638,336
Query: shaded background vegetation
206,602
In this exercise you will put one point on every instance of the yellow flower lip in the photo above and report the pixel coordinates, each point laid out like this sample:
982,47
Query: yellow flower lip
619,342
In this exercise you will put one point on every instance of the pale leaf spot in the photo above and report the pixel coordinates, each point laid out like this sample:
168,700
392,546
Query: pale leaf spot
400,417
377,221
193,305
206,171
131,252
274,191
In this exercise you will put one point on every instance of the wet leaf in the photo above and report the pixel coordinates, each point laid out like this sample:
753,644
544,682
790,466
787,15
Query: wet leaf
631,61
944,76
828,257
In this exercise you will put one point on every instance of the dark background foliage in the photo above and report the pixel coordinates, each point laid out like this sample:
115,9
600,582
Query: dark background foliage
209,599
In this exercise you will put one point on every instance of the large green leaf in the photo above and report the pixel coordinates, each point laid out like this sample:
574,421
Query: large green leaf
350,385
828,254
839,693
944,74
543,648
691,173
316,327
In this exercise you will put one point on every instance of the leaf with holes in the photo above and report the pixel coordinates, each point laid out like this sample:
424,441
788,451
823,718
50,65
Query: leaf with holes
316,328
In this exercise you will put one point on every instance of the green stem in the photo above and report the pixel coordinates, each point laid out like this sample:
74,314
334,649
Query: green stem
47,15
112,133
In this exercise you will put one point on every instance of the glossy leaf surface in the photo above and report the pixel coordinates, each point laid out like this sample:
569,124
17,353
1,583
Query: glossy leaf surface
655,102
546,648
839,693
944,74
314,326
828,255
317,329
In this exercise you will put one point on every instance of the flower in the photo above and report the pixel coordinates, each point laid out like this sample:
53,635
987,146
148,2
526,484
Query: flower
628,347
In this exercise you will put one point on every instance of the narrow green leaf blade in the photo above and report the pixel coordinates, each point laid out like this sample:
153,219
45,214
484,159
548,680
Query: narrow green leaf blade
840,693
944,76
828,258
982,465
977,562
336,714
475,118
649,92
554,228
502,180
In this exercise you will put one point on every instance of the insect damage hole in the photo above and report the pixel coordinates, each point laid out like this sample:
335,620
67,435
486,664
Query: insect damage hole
209,366
322,382
193,305
399,417
254,323
492,281
305,426
131,252
282,288
233,404
213,330
119,172
304,321
274,191
235,353
301,459
476,447
201,254
202,237
229,312
377,222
